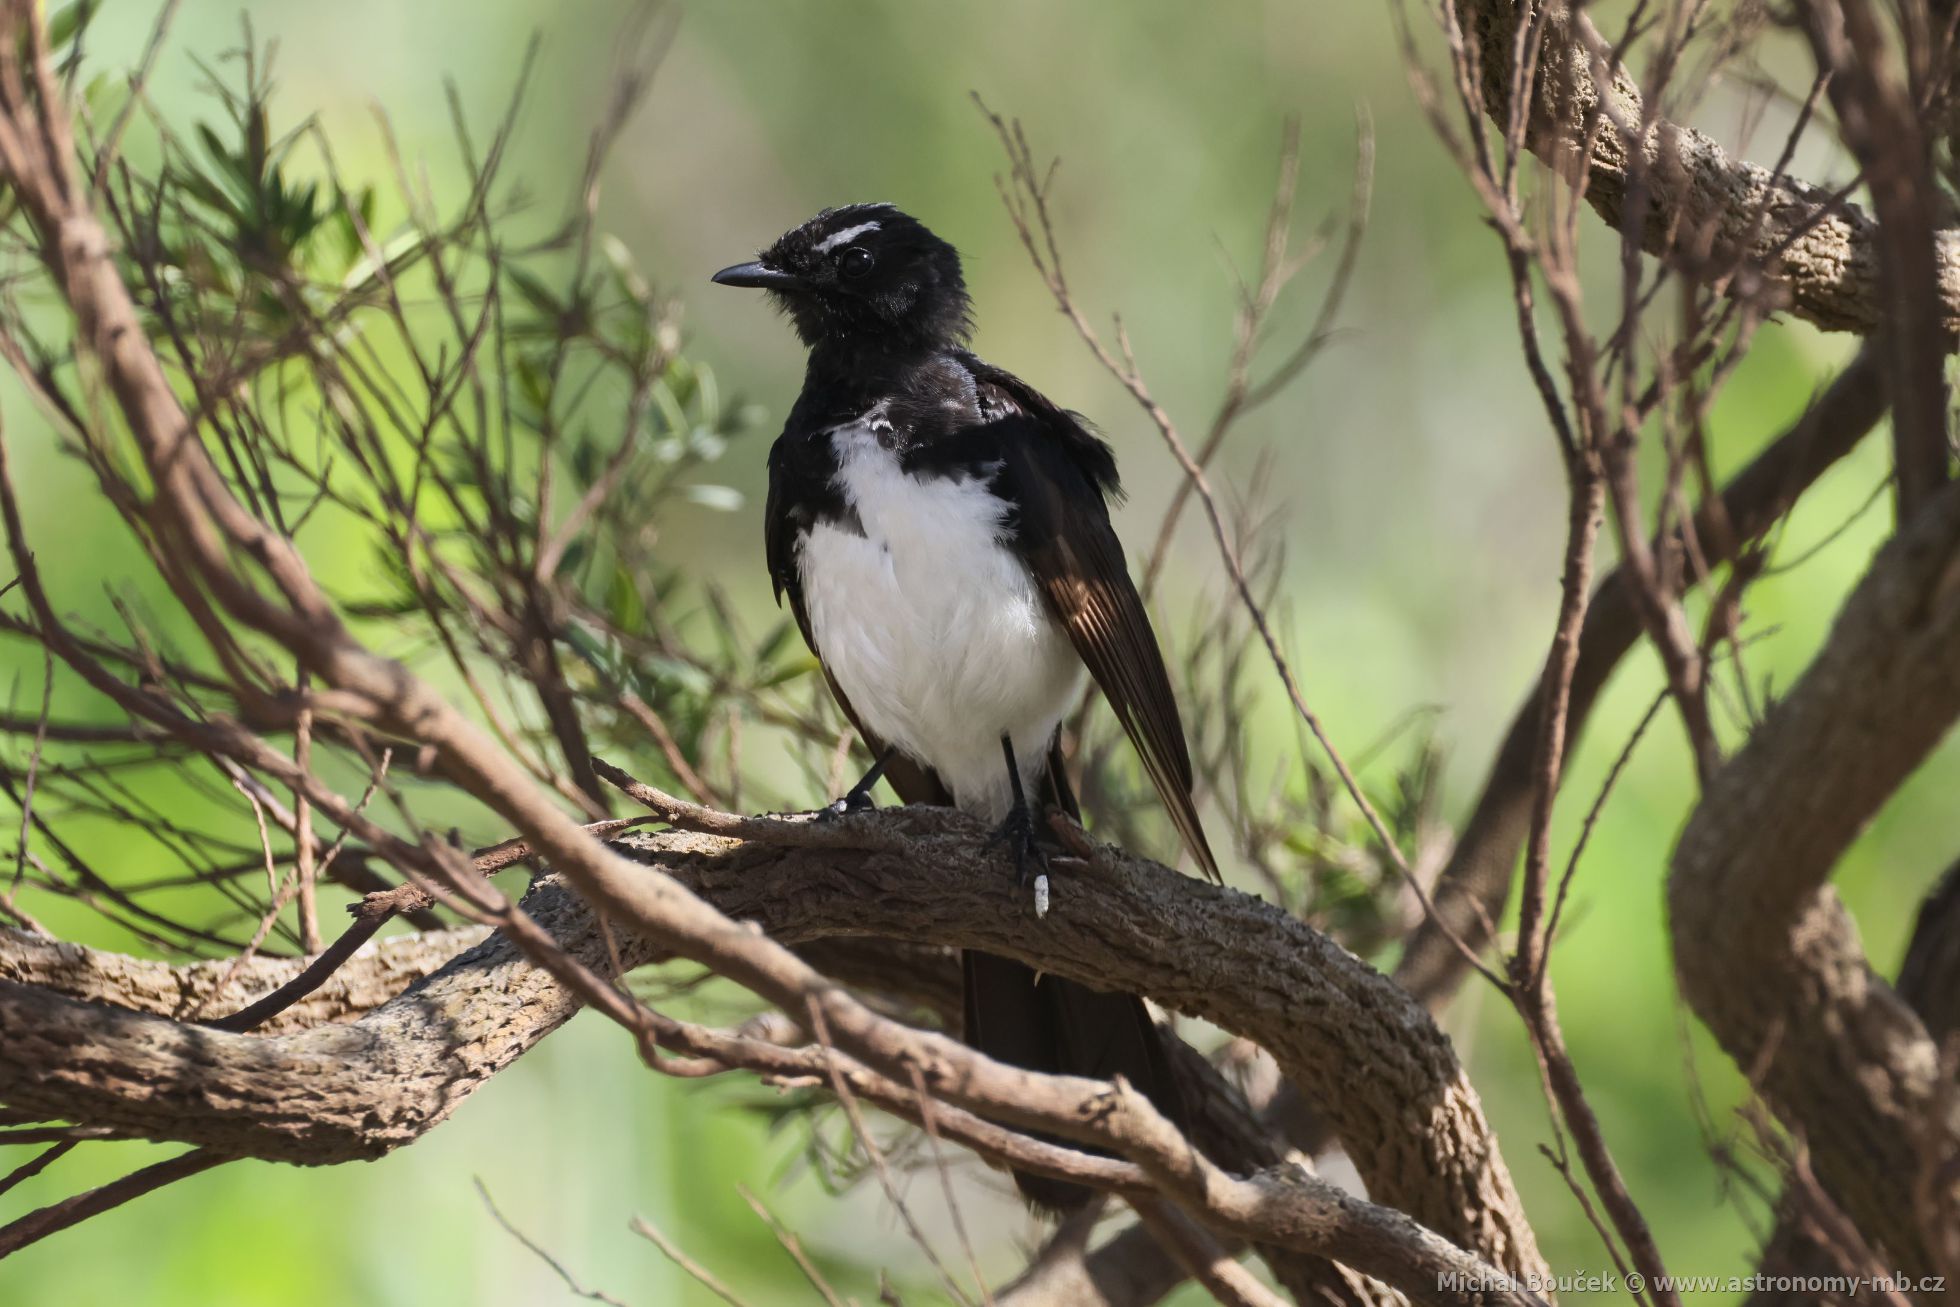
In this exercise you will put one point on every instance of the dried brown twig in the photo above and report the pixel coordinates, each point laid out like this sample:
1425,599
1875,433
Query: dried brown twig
543,1254
1025,193
212,530
519,557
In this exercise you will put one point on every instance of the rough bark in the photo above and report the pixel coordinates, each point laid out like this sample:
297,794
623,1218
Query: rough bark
909,975
1714,217
1766,954
1368,1057
1929,981
1477,880
378,972
168,1077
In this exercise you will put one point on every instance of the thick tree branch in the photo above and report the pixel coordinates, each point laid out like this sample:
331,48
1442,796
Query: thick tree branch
1802,1248
913,974
341,1092
1472,889
1423,1137
379,972
1124,923
1766,954
1377,1068
1712,217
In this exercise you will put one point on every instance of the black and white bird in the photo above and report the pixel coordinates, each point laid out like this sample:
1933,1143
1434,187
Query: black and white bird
942,531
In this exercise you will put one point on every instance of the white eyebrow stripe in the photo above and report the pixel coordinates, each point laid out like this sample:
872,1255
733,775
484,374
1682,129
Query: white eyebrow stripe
844,237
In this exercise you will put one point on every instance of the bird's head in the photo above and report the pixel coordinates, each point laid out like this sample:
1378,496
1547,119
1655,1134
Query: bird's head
865,275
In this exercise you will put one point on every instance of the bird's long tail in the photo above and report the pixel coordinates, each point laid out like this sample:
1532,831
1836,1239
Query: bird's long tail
1045,1023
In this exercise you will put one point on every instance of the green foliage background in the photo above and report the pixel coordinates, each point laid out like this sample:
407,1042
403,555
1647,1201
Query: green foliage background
1421,505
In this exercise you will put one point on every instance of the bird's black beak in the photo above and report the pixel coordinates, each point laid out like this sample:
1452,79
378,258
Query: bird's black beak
758,275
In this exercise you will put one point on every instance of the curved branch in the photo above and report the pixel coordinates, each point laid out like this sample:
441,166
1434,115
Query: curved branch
1803,1247
1767,955
911,973
38,1225
1361,1051
1706,213
1368,1057
1410,1117
329,1094
1474,885
381,970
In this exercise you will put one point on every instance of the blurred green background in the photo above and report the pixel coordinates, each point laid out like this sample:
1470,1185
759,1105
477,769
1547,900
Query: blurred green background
1422,508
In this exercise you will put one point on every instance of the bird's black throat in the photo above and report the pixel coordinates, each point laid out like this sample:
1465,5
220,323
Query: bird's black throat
943,527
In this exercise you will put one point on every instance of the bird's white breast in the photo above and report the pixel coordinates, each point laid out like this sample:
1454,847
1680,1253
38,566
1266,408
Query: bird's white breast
933,629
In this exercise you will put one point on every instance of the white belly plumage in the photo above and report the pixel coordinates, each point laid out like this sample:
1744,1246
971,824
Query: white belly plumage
933,630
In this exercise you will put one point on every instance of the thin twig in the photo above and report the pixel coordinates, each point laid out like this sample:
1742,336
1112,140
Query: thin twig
793,1246
540,1252
56,1217
1027,207
699,1273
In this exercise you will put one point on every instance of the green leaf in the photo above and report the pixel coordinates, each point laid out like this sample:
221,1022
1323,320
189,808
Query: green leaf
575,553
794,669
773,642
69,23
534,292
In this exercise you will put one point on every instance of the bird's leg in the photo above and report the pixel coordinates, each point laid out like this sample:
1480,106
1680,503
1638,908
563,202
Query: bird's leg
858,797
1017,829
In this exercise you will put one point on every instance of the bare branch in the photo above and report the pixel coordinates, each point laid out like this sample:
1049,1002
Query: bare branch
38,1225
1767,955
406,1065
375,974
537,1250
1474,885
1704,212
1881,123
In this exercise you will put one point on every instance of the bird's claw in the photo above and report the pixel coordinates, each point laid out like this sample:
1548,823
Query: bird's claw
856,801
849,805
1017,832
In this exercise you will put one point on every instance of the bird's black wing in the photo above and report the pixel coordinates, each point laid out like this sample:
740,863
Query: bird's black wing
1009,1012
799,484
1058,473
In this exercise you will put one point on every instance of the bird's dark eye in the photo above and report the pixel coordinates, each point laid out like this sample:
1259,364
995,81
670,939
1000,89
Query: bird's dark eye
855,262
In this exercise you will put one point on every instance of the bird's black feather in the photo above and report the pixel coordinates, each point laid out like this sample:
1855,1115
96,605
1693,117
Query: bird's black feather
882,305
